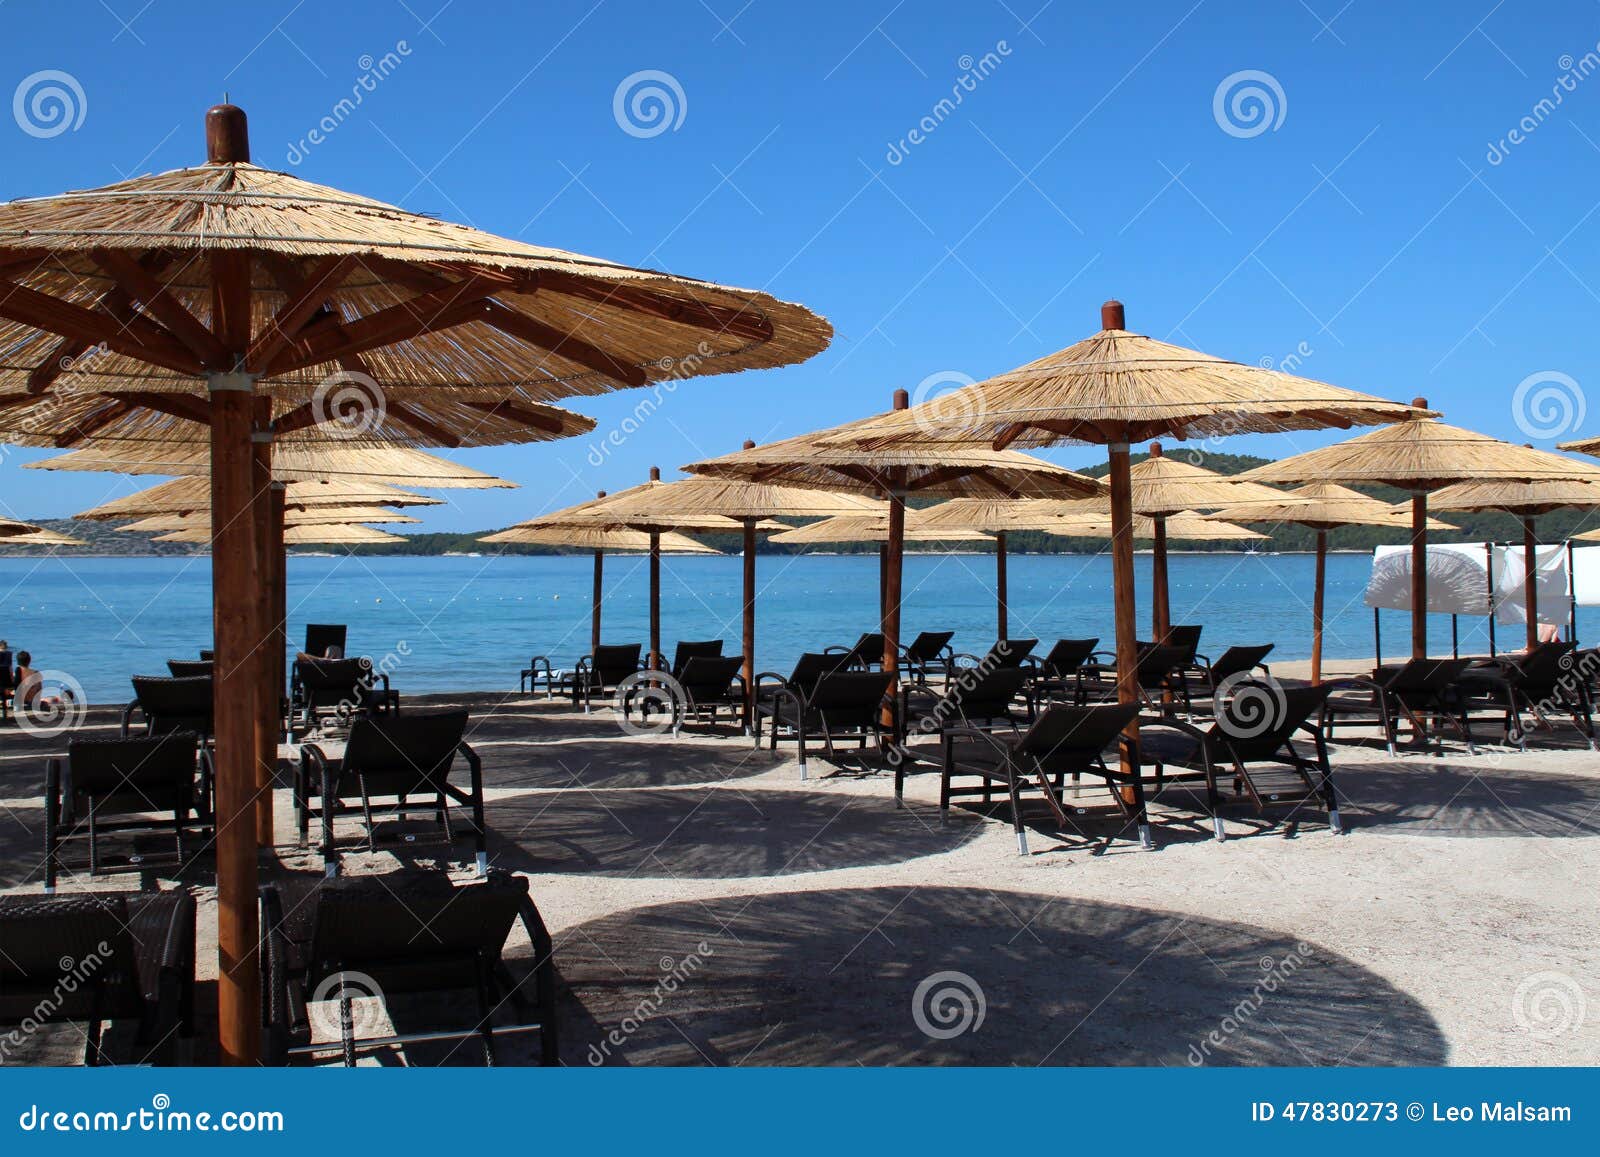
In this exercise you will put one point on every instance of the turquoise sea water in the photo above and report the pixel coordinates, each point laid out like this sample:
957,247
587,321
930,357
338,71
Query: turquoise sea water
472,623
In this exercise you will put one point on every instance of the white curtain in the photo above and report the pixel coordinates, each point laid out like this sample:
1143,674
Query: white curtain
1551,584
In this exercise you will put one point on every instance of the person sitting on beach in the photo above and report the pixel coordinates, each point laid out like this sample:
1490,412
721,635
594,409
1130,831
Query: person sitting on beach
30,685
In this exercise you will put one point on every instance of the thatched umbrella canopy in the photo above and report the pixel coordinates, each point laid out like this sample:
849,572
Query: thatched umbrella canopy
1164,486
17,533
328,461
1526,500
833,460
1115,388
599,539
1423,455
875,528
1323,506
595,515
716,504
335,534
193,495
246,300
314,516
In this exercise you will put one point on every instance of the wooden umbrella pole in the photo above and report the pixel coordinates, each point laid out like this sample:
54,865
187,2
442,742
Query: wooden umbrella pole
234,575
1419,574
261,661
747,639
655,588
1123,596
1160,609
655,600
883,578
599,593
280,601
1530,579
894,557
1000,585
1316,607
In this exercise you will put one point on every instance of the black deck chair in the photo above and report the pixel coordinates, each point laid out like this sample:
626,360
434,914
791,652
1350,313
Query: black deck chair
97,957
974,697
404,932
708,683
1005,653
928,654
839,704
1257,725
326,640
1064,740
207,654
190,668
808,668
1540,682
1061,673
1410,691
1207,675
116,787
406,758
862,655
344,689
1157,670
8,682
603,670
684,651
1187,639
171,705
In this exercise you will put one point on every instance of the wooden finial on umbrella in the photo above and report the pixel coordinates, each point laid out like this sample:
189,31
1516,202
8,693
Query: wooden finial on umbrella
749,443
227,135
655,474
1155,449
902,400
1113,316
1420,403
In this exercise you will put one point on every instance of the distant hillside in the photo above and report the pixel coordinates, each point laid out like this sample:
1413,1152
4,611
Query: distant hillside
103,539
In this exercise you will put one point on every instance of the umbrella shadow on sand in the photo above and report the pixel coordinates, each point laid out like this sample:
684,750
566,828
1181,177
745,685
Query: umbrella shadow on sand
934,976
711,834
646,762
1473,798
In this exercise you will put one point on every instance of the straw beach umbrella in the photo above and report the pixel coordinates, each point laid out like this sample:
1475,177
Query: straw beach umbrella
599,540
1423,455
328,461
231,296
832,460
875,528
336,534
1525,500
16,533
1115,388
192,495
315,516
1324,506
716,504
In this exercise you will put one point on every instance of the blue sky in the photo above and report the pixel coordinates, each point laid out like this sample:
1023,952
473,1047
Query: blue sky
1367,232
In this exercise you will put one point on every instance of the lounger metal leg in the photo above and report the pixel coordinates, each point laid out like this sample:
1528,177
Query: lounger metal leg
483,863
347,1030
1022,842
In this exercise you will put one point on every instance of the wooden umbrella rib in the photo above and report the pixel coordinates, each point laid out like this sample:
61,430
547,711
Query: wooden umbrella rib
427,313
94,421
564,345
420,422
189,407
147,342
512,412
142,286
704,315
306,296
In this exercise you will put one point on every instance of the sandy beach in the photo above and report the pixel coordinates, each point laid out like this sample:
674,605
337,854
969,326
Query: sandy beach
710,908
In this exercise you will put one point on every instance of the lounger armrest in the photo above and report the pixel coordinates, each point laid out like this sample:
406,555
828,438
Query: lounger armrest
127,718
1200,662
972,660
836,650
762,677
474,766
1172,723
52,818
208,779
